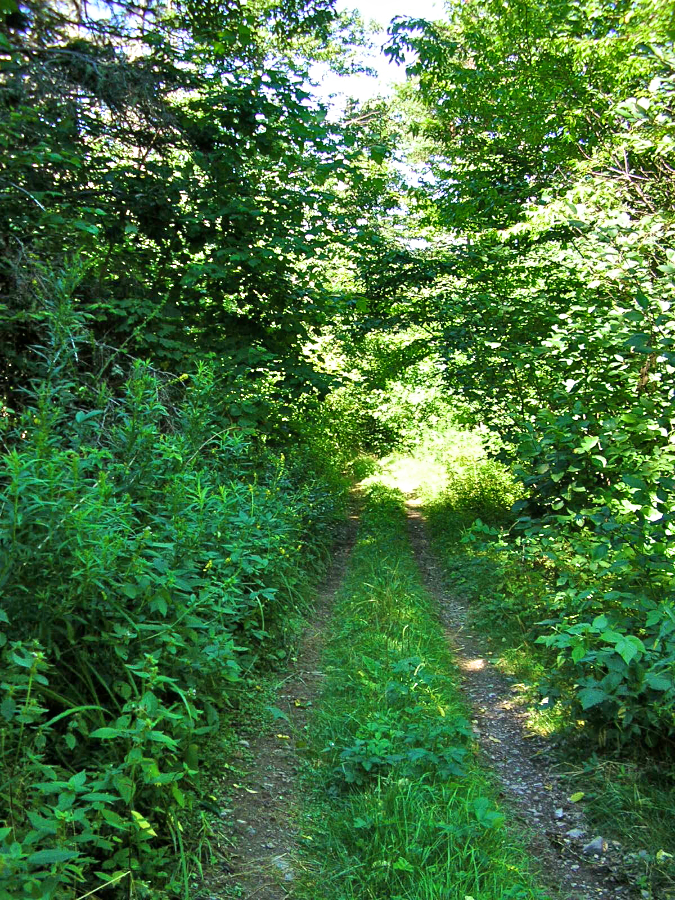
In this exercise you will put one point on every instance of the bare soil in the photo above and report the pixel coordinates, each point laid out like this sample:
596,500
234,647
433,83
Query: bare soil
524,763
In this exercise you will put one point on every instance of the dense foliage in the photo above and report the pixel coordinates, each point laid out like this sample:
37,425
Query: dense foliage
195,178
150,559
170,194
212,291
549,135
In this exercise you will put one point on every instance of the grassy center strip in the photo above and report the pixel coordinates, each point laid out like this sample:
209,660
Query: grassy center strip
397,805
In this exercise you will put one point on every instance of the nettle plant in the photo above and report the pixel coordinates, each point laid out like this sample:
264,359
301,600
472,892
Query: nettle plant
149,554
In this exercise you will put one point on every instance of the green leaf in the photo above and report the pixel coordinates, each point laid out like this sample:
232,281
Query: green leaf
107,733
42,825
114,819
634,482
378,153
277,713
588,443
578,652
88,227
612,637
590,697
143,823
178,795
51,857
626,651
78,780
125,787
630,647
600,551
160,738
25,661
402,865
658,682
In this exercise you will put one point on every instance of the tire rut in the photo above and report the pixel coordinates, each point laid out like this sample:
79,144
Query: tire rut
261,863
524,763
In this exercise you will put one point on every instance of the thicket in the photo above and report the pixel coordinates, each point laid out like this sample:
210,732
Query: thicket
211,291
150,559
171,198
548,134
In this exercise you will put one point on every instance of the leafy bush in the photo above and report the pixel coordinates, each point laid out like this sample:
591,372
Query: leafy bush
554,321
621,663
150,552
576,585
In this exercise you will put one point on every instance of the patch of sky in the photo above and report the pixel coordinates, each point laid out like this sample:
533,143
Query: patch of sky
335,90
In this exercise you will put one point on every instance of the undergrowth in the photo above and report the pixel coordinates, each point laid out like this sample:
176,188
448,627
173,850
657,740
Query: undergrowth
152,556
510,584
399,807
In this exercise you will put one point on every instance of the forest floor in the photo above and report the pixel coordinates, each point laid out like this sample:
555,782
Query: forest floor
264,854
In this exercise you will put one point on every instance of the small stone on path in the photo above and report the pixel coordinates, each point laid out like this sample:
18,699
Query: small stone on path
597,845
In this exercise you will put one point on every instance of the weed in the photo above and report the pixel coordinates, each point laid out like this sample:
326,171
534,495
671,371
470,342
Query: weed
399,807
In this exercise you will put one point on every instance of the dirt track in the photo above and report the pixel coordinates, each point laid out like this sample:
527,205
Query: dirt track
523,763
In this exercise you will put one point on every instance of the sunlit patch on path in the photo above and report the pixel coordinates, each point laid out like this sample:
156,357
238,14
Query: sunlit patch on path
472,665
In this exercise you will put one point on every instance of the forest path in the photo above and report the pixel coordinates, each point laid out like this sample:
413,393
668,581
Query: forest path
262,864
523,763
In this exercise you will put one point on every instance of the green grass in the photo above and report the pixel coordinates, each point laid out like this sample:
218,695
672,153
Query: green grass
631,800
398,806
506,595
629,797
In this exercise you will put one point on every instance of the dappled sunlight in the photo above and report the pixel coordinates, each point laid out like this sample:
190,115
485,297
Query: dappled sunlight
427,471
546,723
414,502
472,665
409,474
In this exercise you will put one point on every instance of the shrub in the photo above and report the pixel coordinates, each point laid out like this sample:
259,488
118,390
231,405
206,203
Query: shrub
150,552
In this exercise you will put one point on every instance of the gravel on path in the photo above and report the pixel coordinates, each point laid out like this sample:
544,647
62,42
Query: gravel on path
574,863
